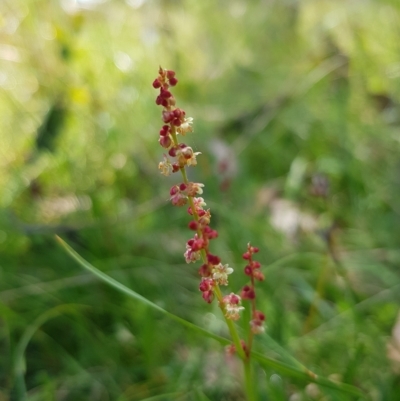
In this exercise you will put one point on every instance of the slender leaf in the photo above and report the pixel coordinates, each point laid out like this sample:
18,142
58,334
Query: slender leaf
283,368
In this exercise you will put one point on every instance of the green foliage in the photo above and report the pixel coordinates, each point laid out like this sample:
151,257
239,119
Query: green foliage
305,98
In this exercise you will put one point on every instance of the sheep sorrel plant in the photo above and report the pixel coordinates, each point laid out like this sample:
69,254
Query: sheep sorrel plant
213,273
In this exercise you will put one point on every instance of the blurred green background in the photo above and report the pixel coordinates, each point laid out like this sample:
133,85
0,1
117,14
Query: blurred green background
296,107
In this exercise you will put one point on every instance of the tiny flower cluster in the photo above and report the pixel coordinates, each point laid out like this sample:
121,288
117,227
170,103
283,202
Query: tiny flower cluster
175,122
252,269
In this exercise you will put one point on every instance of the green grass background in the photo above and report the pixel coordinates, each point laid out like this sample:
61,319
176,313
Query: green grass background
285,94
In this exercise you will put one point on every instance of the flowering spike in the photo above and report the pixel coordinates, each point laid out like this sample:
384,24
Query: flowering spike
213,273
252,270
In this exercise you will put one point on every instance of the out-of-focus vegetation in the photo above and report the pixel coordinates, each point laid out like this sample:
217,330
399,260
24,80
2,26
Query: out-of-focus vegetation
296,108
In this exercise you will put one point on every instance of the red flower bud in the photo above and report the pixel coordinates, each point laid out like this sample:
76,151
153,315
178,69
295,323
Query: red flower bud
204,271
208,296
165,94
170,74
172,151
165,141
193,225
258,315
206,284
214,260
248,293
248,271
174,190
164,130
156,84
210,233
198,244
258,275
167,116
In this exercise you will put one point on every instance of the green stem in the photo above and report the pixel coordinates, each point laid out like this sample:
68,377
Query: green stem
231,326
249,382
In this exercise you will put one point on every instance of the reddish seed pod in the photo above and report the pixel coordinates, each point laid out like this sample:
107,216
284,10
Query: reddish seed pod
246,256
193,225
170,74
258,275
206,284
204,271
213,259
173,81
210,233
165,94
174,190
172,151
255,264
248,271
165,141
177,113
182,186
248,293
208,296
164,131
258,315
198,244
156,84
167,116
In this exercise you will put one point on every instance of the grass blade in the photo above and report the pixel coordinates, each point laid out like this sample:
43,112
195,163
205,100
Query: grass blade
283,368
